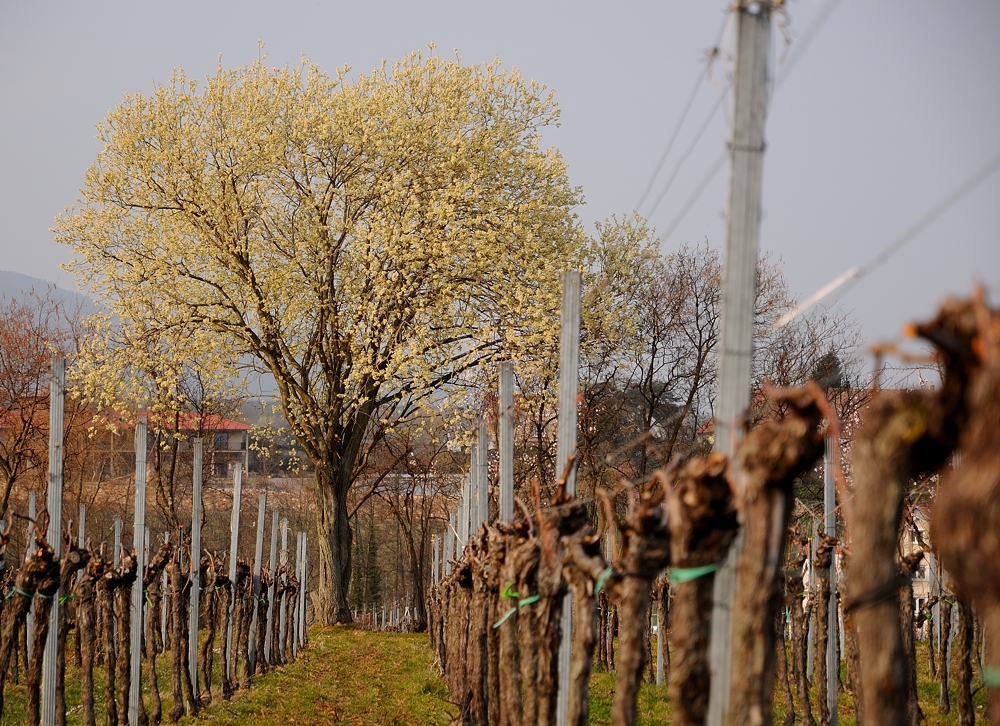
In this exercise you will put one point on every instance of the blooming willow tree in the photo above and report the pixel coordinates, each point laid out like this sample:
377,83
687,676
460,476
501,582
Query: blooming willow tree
364,242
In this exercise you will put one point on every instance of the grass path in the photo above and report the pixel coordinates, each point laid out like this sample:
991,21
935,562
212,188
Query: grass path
346,676
352,676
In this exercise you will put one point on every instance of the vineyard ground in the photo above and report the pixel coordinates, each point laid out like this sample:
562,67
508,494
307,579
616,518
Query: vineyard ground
352,676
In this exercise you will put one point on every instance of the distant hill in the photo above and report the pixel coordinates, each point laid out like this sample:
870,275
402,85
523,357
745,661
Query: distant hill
16,285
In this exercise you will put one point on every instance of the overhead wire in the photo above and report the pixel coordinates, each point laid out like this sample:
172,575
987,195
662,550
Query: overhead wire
799,50
852,276
712,55
690,149
673,138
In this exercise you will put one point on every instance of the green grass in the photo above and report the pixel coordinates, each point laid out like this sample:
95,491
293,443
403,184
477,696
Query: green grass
347,676
352,676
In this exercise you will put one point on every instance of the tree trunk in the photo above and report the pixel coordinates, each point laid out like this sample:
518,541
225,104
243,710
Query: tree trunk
48,586
176,653
244,612
181,641
521,554
527,586
279,591
126,574
662,591
892,447
40,568
769,459
963,641
151,584
908,566
582,568
211,611
495,556
86,627
795,591
822,635
74,559
702,520
330,601
107,602
291,648
944,697
156,714
783,677
456,639
261,665
965,519
553,523
223,596
476,656
611,633
645,552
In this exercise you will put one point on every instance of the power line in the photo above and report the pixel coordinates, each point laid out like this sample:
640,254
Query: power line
797,53
690,149
706,180
673,138
713,54
807,39
855,274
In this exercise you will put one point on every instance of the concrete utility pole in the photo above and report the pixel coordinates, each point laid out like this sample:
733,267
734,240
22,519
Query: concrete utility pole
57,397
739,286
569,385
505,441
138,540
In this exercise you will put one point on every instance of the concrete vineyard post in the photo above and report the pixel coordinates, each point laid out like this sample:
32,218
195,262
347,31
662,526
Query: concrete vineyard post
57,395
196,515
138,540
569,382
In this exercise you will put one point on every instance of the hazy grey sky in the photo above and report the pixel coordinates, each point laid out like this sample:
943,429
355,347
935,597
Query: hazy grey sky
892,105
